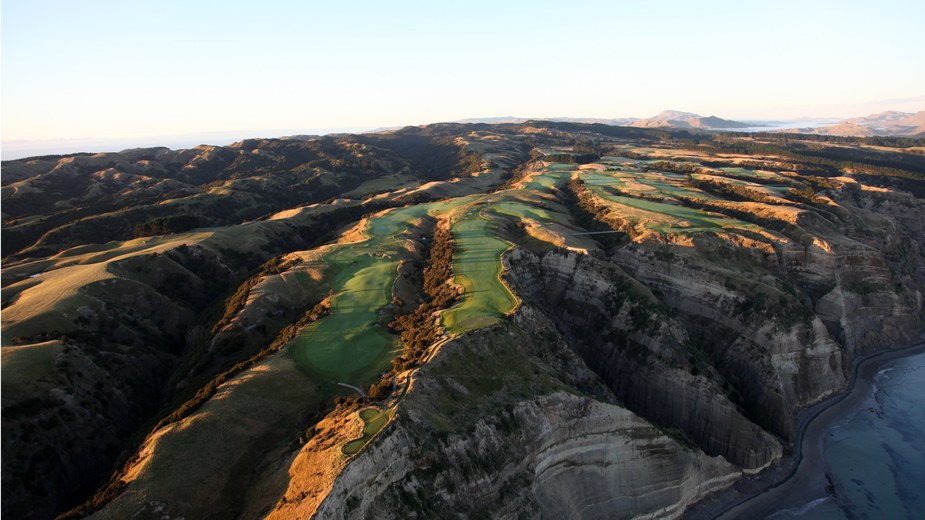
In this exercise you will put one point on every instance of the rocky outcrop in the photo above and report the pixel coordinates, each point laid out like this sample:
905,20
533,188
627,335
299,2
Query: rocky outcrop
626,335
526,441
662,349
693,371
602,461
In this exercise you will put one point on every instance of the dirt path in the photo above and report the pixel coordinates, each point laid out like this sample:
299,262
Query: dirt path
358,389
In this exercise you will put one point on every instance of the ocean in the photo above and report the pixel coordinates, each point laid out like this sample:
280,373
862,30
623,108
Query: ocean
874,457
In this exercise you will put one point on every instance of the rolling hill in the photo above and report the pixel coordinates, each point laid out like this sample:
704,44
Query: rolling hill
562,319
890,123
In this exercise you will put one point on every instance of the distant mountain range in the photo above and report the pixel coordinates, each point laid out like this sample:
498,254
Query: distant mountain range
666,119
623,121
885,123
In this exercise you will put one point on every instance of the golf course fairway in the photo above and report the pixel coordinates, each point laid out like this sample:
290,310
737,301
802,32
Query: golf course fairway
350,345
477,268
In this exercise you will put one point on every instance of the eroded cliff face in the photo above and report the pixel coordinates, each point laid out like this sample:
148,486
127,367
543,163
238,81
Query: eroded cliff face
677,367
642,368
625,334
548,440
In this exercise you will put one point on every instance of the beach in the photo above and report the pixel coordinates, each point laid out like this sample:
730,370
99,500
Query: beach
799,483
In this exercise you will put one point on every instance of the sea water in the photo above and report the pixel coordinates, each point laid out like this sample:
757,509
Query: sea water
875,456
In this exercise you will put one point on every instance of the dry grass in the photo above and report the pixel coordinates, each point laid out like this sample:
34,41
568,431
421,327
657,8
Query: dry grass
313,471
197,462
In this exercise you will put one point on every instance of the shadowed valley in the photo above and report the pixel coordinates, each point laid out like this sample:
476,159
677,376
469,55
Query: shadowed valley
562,319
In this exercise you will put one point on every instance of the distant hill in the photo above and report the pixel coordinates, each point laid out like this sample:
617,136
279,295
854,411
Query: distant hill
666,119
622,121
885,123
677,119
494,120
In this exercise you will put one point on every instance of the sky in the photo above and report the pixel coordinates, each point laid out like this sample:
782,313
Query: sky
110,73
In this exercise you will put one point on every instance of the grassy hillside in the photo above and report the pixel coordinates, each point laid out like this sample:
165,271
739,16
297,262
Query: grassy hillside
228,314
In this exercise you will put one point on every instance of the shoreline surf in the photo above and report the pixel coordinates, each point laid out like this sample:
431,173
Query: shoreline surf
796,480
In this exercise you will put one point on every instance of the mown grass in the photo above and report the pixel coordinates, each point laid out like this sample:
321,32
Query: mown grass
374,420
667,217
347,344
352,345
477,267
520,209
549,179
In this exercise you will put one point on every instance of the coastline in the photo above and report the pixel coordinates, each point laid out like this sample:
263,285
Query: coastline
795,480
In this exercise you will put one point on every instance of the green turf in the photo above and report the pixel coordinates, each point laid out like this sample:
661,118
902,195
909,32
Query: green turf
477,267
519,209
351,345
548,179
619,160
696,220
346,345
693,216
666,188
374,420
738,171
601,179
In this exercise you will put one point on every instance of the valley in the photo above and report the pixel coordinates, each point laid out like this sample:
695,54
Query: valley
561,319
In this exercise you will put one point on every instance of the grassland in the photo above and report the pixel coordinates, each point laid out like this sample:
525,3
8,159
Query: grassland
28,364
214,457
199,459
381,184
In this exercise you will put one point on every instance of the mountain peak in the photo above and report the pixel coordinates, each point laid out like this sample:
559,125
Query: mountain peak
679,119
676,115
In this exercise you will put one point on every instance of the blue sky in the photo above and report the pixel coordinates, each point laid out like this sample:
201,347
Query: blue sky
110,70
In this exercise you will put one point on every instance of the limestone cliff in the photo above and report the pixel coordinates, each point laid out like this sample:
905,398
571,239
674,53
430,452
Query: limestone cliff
512,416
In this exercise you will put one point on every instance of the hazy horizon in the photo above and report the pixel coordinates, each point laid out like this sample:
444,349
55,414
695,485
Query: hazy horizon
111,72
19,149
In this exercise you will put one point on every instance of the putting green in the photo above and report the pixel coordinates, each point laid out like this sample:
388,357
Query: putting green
374,420
477,269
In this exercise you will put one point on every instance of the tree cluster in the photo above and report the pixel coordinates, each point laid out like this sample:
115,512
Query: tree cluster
673,167
420,329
